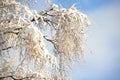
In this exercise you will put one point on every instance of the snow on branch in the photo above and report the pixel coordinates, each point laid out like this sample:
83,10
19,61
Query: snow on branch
22,48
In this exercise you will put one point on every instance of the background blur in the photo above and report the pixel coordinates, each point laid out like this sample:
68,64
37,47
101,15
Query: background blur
103,38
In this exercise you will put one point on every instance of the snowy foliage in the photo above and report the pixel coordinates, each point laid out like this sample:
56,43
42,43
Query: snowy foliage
23,54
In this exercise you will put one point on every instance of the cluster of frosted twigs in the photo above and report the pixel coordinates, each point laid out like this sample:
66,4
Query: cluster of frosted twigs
23,53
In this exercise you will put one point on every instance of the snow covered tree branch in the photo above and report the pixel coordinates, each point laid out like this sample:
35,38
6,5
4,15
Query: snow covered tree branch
23,53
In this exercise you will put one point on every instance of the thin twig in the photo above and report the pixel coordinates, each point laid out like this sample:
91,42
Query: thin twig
12,76
5,48
53,42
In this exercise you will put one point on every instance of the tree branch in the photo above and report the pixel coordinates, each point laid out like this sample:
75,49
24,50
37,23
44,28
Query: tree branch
43,13
45,19
45,37
53,42
5,48
11,32
12,76
2,42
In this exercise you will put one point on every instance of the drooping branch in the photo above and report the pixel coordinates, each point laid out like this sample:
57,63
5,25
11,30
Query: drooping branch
51,41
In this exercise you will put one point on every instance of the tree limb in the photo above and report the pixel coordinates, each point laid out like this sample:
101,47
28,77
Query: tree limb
5,48
53,42
45,37
2,42
12,76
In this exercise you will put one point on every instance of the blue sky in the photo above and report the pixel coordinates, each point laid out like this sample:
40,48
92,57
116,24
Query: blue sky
85,5
103,39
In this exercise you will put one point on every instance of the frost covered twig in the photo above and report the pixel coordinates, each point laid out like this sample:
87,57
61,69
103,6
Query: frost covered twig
20,37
